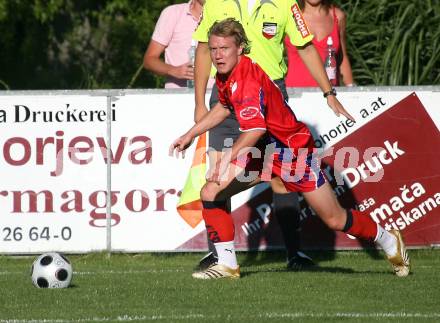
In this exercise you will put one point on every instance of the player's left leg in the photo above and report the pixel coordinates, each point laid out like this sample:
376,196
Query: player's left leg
359,225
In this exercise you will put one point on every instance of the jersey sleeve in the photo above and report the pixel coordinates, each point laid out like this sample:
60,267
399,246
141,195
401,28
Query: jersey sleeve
201,33
296,26
163,32
249,108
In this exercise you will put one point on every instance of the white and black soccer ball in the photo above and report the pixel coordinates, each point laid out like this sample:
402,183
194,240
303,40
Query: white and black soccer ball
51,270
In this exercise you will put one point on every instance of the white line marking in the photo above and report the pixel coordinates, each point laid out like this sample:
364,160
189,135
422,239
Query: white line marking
128,318
153,271
121,272
110,272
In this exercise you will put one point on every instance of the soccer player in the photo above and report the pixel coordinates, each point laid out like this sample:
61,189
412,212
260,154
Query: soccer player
266,23
265,118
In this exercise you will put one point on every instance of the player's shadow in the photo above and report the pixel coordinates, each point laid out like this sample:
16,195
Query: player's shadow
273,258
318,269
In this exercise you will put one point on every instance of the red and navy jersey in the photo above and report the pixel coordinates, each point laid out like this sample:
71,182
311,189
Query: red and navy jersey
259,104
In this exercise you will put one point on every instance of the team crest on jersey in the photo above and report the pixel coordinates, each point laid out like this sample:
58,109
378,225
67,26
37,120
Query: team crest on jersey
249,113
269,29
299,21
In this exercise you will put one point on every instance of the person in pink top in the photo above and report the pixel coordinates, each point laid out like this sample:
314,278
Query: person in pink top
324,20
173,35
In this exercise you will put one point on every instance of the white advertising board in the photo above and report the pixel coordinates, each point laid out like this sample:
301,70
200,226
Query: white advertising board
150,185
50,185
363,105
57,201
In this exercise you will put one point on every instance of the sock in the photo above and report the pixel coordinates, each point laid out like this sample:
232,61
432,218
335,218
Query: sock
360,225
218,221
226,254
211,246
386,241
286,210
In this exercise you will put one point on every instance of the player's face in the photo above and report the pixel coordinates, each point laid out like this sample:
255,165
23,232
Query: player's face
225,53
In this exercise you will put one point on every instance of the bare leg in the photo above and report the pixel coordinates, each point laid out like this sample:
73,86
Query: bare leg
223,192
228,187
219,223
325,204
211,257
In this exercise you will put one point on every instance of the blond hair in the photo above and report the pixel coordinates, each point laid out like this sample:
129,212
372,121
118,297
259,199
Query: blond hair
231,28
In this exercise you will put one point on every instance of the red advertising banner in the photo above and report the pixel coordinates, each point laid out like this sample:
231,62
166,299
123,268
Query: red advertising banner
388,168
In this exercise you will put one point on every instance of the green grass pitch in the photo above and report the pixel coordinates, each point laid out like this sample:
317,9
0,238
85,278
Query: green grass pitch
346,286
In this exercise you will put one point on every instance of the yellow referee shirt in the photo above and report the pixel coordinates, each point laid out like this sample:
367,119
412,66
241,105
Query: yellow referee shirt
265,28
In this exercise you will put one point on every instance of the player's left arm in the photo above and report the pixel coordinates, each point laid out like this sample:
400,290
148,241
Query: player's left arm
251,120
312,60
245,142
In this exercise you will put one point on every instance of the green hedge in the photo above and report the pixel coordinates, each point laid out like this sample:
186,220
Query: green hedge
394,42
87,44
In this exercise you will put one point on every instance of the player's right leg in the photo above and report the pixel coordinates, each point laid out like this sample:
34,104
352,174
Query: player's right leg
211,257
359,225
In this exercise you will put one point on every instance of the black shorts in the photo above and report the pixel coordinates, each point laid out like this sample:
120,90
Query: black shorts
225,134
